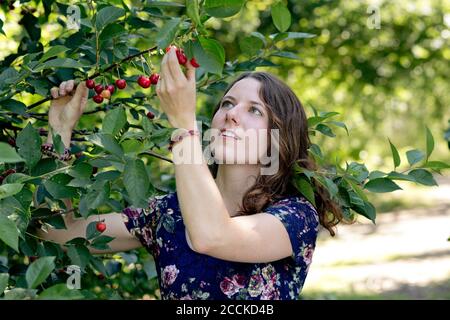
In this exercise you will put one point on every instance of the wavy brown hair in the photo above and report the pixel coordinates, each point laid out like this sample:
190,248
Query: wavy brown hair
286,114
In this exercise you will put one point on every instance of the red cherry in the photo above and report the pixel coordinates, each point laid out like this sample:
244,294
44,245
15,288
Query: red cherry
121,83
90,84
100,226
194,63
98,88
111,88
154,78
144,82
168,48
181,56
94,170
12,142
78,154
106,94
98,98
150,115
8,172
101,276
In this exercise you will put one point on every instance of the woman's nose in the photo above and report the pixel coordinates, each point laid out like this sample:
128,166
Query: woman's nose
232,116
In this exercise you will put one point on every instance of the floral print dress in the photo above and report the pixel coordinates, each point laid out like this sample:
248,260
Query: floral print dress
185,274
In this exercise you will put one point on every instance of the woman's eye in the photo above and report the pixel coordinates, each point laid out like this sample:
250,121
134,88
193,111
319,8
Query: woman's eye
225,103
257,111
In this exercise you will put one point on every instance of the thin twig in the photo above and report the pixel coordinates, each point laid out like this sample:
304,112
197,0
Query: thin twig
156,155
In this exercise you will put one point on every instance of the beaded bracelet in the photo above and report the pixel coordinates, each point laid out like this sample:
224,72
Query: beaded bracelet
180,137
49,150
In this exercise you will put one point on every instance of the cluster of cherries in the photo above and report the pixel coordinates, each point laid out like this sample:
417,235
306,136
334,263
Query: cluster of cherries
104,92
5,174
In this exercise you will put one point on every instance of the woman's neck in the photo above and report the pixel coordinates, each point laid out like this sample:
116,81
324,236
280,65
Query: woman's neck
233,181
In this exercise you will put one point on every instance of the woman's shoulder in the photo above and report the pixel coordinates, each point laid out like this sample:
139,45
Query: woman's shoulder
292,200
295,206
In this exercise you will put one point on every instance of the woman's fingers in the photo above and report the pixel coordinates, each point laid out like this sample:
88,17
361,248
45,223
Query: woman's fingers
62,88
69,86
54,92
174,68
165,72
81,95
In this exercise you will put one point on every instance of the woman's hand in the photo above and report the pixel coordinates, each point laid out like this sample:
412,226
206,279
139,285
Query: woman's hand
177,92
67,106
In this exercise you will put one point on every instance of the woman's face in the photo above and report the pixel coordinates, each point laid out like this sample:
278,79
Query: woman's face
246,119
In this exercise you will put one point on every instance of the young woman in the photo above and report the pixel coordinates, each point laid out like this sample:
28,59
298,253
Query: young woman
228,232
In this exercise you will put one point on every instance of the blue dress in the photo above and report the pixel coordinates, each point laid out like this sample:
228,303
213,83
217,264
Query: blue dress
184,274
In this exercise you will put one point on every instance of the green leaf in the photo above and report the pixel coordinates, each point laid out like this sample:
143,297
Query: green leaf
9,233
114,121
97,263
101,242
79,255
1,31
98,194
326,130
107,15
315,149
107,142
223,8
437,165
57,143
286,54
20,294
381,185
400,176
53,52
192,10
29,144
59,63
250,45
357,189
60,292
339,124
136,182
395,155
81,170
167,33
281,16
312,121
423,177
414,156
8,154
305,188
368,211
282,36
4,277
210,54
111,31
39,270
59,191
328,184
15,106
376,174
430,142
163,4
10,189
91,230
